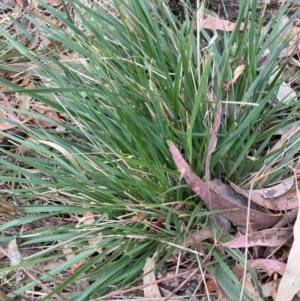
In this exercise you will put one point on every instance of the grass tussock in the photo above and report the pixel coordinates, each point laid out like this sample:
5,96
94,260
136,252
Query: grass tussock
124,77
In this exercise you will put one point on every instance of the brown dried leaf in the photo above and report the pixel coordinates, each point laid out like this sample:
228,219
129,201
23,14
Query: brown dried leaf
293,46
138,217
290,282
54,2
26,81
48,124
23,101
77,265
89,219
214,23
269,289
152,290
81,283
238,271
237,72
194,238
250,289
270,237
274,191
222,197
284,202
8,126
268,265
286,135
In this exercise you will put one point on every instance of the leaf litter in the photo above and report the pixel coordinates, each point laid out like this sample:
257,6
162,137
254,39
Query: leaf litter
222,197
270,237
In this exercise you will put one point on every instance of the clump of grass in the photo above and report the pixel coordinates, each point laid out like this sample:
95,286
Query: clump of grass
138,77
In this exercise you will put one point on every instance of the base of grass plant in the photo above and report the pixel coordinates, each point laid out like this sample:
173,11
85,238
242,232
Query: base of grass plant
137,77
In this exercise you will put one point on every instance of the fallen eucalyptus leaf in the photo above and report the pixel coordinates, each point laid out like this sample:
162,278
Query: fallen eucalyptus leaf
222,197
268,265
269,237
13,252
152,289
194,238
274,191
283,202
290,282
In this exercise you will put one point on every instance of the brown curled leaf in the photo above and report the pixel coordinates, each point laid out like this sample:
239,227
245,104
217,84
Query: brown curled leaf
221,196
286,201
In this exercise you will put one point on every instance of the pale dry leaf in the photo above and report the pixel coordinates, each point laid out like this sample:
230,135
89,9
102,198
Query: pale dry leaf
287,51
14,253
51,264
149,279
26,81
270,266
292,48
8,126
274,191
77,265
34,4
48,124
89,219
238,270
238,72
290,282
5,4
82,283
227,84
285,136
283,202
11,114
43,43
41,108
221,296
54,2
287,218
23,101
250,289
64,152
269,237
268,288
285,93
194,238
215,23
